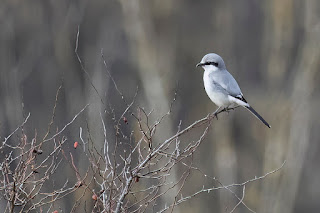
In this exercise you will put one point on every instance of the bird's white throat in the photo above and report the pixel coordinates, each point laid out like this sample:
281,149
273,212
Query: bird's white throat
210,68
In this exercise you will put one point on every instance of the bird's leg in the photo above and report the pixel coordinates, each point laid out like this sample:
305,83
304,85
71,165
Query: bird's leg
215,114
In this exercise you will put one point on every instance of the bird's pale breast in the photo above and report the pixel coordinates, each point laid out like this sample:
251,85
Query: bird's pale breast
216,93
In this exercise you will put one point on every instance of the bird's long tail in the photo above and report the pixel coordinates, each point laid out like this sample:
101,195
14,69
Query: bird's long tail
257,115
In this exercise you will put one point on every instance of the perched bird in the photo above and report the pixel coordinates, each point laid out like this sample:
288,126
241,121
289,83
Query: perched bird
221,87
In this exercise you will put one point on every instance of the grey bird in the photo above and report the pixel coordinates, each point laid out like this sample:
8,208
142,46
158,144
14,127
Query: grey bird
221,87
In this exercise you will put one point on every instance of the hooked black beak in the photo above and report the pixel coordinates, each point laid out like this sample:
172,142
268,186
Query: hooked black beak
199,64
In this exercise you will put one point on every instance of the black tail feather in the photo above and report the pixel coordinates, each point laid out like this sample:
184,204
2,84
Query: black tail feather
258,116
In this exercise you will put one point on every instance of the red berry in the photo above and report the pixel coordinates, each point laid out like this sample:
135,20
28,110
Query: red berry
75,145
94,197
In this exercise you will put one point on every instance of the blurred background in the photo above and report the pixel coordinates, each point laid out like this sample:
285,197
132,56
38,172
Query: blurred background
272,48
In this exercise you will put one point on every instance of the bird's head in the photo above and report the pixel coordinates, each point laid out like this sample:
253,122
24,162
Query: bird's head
211,61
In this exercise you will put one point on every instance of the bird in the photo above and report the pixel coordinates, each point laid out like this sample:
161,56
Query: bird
221,87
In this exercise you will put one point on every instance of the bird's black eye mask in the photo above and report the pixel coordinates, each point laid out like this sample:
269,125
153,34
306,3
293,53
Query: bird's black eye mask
211,63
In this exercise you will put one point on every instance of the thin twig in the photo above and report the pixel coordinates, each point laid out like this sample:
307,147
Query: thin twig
9,136
82,66
68,124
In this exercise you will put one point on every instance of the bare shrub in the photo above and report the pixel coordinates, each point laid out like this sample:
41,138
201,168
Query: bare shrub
131,173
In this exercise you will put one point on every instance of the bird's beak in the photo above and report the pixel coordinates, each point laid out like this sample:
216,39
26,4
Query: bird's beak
199,65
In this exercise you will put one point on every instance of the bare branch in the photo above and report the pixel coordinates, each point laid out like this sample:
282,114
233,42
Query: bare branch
68,124
241,200
82,66
12,133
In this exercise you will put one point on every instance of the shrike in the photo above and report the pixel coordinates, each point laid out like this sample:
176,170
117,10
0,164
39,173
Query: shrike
221,87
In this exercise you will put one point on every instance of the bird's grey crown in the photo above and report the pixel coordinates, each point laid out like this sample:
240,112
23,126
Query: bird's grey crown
214,59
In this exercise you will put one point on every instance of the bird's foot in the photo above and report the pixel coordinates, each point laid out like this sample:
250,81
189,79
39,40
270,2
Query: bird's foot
228,109
215,113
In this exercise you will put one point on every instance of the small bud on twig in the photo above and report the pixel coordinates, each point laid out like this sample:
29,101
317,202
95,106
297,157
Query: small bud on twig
39,151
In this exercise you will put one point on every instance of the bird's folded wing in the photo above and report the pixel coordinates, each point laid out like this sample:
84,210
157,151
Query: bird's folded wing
223,88
237,98
218,87
226,80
